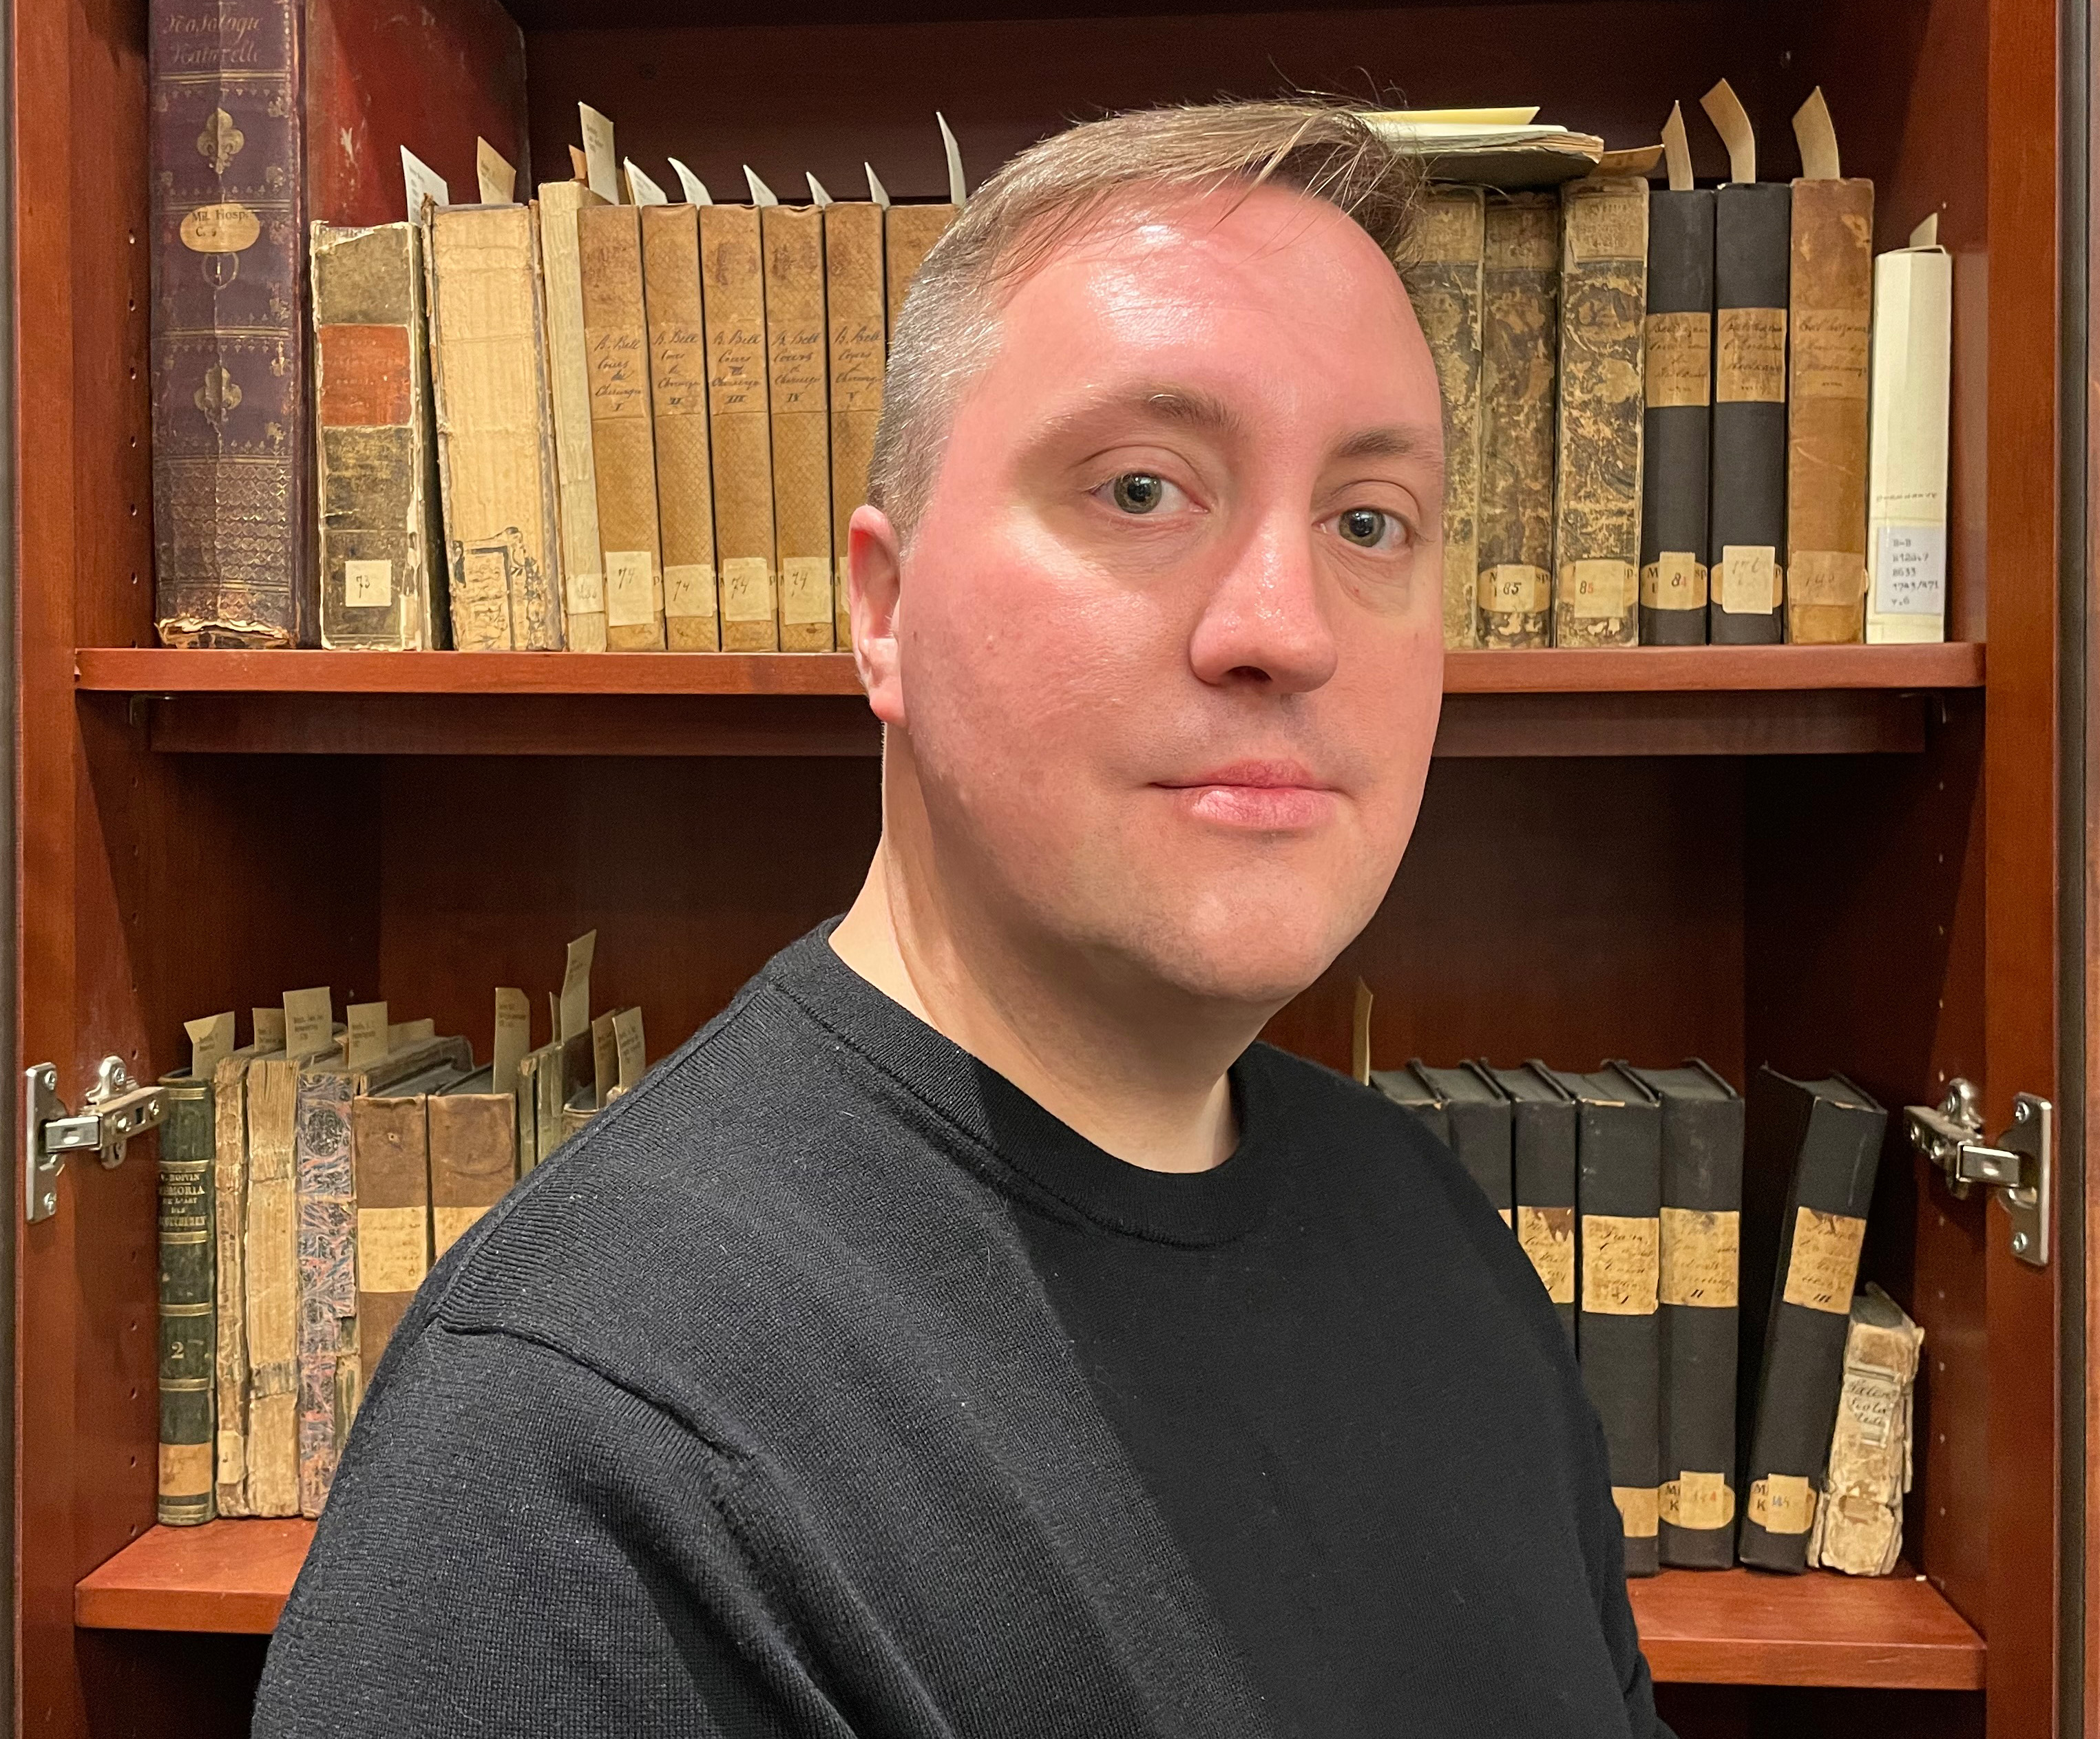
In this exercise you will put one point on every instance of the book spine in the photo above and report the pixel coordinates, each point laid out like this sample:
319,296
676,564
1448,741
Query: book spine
582,572
227,338
1519,361
1596,536
795,344
187,1354
271,1261
1859,1514
1803,1368
474,1155
733,288
229,1181
1831,291
371,410
1543,1144
1443,281
488,369
1702,1193
1618,1193
1746,510
1680,368
678,398
390,1157
854,311
1906,446
623,442
327,1278
908,235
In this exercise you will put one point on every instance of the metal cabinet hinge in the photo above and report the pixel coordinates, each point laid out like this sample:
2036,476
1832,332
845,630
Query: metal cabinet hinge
2018,1166
114,1110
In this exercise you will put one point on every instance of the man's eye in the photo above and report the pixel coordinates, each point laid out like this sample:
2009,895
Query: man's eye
1366,527
1138,492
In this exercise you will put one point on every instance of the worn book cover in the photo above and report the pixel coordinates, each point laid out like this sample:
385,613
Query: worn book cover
1542,1167
1405,1086
733,288
1618,1199
622,436
376,474
1702,1195
1477,1114
1519,360
797,367
1443,273
1821,1142
495,450
474,1155
1746,505
186,1369
1678,368
1603,296
1858,1515
230,1231
678,397
908,235
854,312
582,570
1907,444
270,1260
390,1163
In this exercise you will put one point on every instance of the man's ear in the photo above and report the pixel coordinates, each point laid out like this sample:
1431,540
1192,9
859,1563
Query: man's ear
875,562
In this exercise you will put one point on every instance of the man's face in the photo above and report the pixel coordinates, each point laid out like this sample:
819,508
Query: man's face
1169,651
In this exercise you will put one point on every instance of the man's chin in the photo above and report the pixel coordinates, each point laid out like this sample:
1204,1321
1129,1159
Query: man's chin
1254,953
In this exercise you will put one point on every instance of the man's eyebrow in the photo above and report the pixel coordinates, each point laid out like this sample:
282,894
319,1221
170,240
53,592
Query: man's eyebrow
1395,441
1190,406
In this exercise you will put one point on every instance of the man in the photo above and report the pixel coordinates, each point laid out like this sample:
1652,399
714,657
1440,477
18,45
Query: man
971,1332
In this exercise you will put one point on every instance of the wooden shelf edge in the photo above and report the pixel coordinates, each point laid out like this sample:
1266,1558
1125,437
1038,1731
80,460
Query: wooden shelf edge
1713,1627
1571,670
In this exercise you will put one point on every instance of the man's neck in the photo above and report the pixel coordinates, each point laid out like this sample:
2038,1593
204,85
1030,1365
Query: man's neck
1134,1081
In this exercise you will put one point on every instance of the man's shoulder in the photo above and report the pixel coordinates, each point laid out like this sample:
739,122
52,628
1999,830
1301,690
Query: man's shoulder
1345,1115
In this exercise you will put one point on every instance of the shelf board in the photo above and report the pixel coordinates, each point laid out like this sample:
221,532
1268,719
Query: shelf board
1713,1627
1668,700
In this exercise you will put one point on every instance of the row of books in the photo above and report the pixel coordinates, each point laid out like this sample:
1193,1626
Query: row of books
1688,415
308,1179
1625,1187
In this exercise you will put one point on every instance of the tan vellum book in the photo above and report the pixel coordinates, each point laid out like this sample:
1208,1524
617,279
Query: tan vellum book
583,574
678,394
855,311
229,1087
1443,271
622,441
733,290
473,1155
908,235
1907,440
793,237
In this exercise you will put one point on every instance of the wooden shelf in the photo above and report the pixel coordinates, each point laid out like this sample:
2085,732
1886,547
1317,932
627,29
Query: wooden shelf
1660,700
1726,1627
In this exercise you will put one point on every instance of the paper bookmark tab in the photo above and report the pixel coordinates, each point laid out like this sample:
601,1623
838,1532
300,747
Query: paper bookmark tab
601,163
269,1028
498,179
211,1041
423,184
1360,1035
760,194
309,1022
1724,108
1677,150
514,1038
1926,235
605,1059
633,1052
575,986
399,1033
641,189
368,1035
579,169
695,189
1818,139
957,195
875,190
817,196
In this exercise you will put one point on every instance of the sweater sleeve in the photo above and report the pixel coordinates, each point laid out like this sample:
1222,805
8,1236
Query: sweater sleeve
515,1545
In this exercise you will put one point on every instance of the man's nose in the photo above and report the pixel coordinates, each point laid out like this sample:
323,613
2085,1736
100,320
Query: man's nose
1265,622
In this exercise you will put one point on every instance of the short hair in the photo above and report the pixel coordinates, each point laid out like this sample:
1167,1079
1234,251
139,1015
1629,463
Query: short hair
948,329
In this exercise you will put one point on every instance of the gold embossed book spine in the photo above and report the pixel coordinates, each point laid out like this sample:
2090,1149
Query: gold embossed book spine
678,394
853,310
797,372
186,1360
1597,496
1746,510
733,286
1678,369
1519,360
1443,273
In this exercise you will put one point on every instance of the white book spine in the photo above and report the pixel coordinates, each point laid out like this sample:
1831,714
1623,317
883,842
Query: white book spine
1906,447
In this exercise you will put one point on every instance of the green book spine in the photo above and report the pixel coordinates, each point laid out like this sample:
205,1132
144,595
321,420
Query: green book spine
188,1317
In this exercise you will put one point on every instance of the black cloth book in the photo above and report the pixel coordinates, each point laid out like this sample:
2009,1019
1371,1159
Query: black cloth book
1406,1088
1478,1116
1677,420
1752,258
1826,1136
1543,1178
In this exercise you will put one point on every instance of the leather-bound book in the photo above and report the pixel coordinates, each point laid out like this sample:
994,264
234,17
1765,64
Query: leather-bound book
561,266
1519,360
390,1157
271,1261
1405,1086
1443,273
853,310
376,473
1477,1114
623,439
229,1180
1542,1167
495,419
1906,441
679,396
908,235
1603,295
1702,1195
1679,367
473,1155
1618,1199
1825,1136
797,348
1858,1510
733,287
186,1374
1831,292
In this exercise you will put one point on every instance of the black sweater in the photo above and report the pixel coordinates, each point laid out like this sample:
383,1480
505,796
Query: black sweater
827,1385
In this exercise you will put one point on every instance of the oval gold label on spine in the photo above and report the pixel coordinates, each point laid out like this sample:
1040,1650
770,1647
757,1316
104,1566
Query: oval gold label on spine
228,228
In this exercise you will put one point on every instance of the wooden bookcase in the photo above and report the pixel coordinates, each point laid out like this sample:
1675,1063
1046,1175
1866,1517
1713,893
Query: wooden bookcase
1819,857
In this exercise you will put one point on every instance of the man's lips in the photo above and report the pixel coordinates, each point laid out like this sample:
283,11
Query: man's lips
1268,795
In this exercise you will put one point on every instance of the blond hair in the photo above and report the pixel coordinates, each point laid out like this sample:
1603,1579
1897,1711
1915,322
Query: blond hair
1071,181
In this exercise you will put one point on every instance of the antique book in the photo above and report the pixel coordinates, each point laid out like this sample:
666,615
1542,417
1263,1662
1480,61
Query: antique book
623,440
908,235
1702,1197
473,1155
495,450
1477,1115
1443,274
1746,510
854,311
1830,289
796,348
678,400
186,1369
1519,360
567,1067
1678,380
389,1160
1405,1086
1859,1514
1618,1200
229,1168
560,266
1542,1179
1907,443
1604,294
376,470
733,289
1825,1137
237,94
